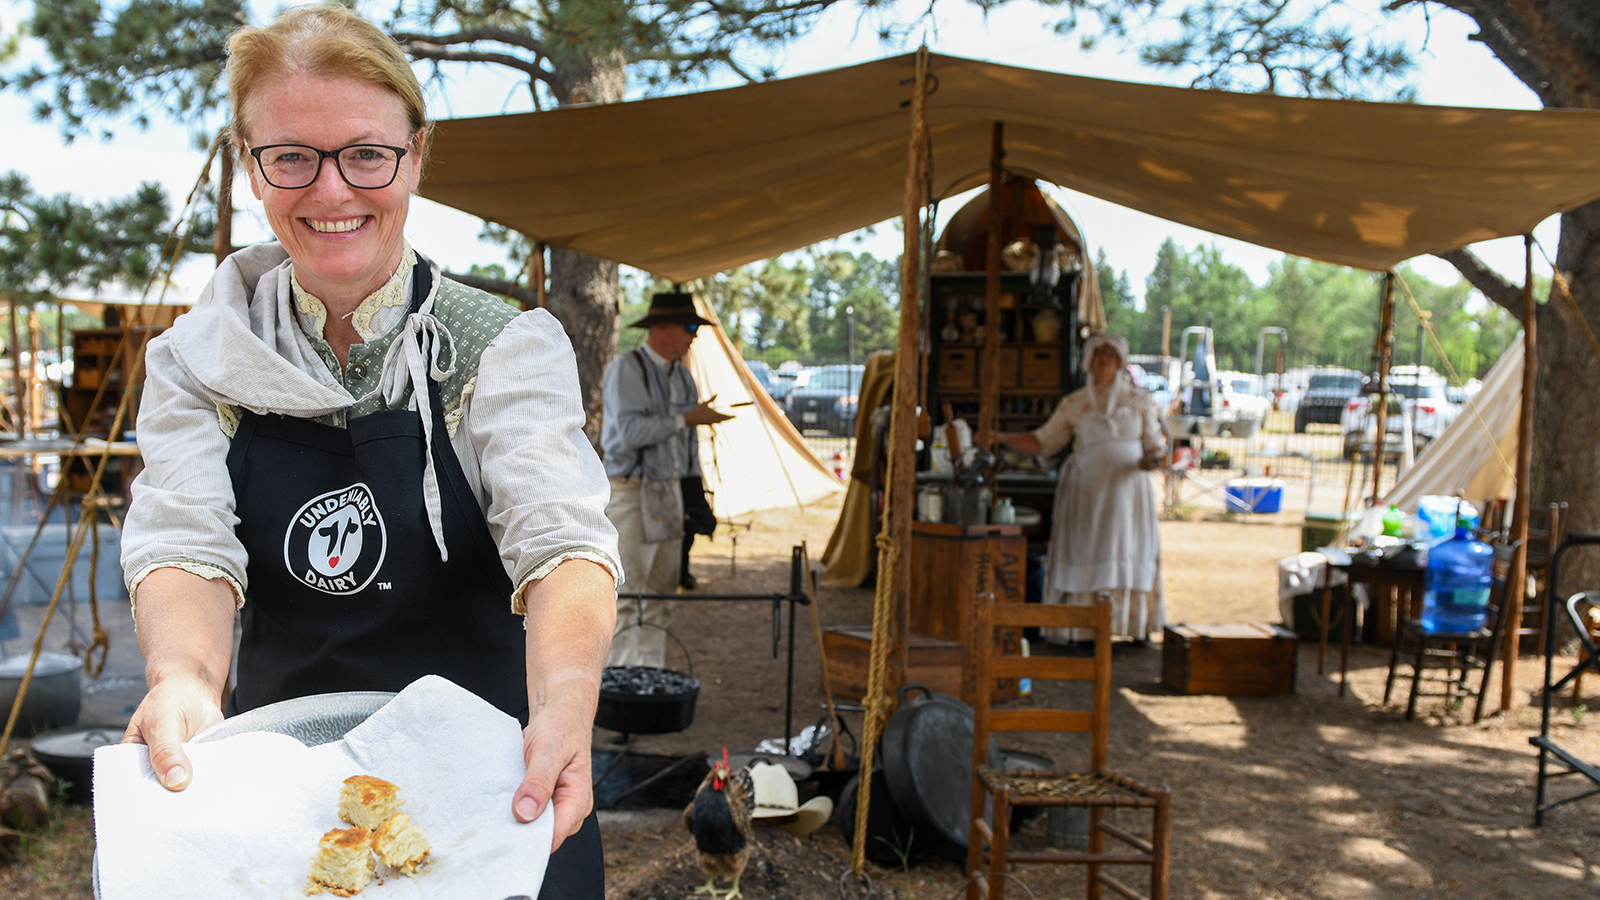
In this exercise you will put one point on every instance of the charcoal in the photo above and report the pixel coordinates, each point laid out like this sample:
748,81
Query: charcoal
647,681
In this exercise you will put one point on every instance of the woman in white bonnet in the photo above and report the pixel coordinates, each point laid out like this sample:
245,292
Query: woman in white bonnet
1104,539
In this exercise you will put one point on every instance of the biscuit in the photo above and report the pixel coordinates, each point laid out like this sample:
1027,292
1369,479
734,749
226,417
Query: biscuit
343,862
368,801
399,844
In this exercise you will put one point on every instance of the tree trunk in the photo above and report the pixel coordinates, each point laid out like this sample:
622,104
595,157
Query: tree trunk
586,291
1566,464
586,296
1553,46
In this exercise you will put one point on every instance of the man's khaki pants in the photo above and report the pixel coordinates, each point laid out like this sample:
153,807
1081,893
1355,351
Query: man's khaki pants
648,568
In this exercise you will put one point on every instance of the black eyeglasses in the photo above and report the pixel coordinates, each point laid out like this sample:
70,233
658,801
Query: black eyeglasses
290,167
691,327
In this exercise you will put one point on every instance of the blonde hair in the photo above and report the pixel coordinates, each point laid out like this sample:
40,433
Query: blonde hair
324,40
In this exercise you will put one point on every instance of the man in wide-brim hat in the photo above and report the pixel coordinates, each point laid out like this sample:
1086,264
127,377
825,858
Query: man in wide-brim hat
651,408
672,308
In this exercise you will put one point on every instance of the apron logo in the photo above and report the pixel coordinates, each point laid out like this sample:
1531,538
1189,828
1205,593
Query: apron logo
336,542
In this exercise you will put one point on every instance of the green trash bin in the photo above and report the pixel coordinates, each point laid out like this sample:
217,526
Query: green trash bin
1321,529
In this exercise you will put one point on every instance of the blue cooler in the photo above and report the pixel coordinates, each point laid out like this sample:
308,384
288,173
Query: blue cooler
1257,495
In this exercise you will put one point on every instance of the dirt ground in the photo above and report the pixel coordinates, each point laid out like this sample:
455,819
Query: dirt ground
1308,795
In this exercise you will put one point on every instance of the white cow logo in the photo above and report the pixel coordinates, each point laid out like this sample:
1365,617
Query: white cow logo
336,543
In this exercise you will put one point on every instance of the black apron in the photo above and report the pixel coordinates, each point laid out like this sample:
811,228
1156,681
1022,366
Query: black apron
347,588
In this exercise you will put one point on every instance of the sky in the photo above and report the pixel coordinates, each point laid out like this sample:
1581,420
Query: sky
1454,72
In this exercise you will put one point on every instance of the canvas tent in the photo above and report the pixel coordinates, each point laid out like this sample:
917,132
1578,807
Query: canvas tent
1475,457
756,460
694,184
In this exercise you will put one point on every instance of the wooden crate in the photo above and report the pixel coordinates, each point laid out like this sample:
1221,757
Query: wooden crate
952,564
1251,659
958,367
848,650
1041,368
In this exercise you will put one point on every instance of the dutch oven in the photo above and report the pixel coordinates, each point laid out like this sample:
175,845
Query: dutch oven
69,755
53,694
927,761
646,700
890,834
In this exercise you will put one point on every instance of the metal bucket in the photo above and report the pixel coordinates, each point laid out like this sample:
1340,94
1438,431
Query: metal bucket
53,694
967,504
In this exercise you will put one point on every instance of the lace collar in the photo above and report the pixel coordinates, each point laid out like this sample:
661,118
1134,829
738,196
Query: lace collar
313,313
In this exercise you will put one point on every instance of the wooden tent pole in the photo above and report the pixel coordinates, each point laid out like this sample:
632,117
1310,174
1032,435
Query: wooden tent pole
891,603
30,374
1517,575
16,373
536,276
989,362
1384,352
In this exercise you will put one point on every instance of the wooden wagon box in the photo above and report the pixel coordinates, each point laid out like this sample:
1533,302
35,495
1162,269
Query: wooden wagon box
848,651
1251,659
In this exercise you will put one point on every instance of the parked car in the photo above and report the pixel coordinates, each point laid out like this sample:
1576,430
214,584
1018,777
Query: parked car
1155,383
825,398
776,383
1328,392
1245,403
1211,407
1422,400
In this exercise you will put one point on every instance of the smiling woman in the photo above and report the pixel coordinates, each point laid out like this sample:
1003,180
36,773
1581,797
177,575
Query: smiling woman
356,452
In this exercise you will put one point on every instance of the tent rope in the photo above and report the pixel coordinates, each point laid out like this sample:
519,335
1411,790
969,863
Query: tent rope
1564,291
1455,378
172,249
877,701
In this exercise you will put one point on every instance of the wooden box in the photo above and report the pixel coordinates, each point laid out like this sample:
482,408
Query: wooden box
1041,368
1251,659
958,367
848,651
952,564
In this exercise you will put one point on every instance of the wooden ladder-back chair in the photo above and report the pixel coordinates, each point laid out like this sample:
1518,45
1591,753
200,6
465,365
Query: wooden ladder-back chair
1547,524
1456,655
1097,789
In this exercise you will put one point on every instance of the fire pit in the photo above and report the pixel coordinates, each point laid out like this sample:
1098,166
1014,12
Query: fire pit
646,700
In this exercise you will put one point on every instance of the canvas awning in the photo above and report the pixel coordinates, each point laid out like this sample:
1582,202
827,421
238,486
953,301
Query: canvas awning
689,185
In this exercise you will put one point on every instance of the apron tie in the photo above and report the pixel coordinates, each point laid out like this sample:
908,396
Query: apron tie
423,342
1110,412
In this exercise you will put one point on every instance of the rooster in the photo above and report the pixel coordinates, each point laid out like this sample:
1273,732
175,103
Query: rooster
719,819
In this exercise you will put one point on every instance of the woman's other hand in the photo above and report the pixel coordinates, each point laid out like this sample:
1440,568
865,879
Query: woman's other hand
571,613
185,628
1151,461
1023,442
555,749
172,712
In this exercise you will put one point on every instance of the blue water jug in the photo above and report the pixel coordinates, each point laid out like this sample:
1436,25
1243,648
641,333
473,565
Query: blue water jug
1455,598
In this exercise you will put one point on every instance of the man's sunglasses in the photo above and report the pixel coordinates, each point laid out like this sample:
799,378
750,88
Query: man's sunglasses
691,327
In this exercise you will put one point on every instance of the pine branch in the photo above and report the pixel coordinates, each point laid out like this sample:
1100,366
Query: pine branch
434,52
1488,282
495,286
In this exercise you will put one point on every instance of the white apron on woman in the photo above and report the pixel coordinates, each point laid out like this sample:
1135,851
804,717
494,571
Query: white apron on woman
1104,539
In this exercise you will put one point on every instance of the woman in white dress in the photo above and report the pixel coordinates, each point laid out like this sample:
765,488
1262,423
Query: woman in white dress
1104,539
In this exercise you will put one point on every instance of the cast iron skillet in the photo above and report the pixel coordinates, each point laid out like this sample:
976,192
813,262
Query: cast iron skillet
927,761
